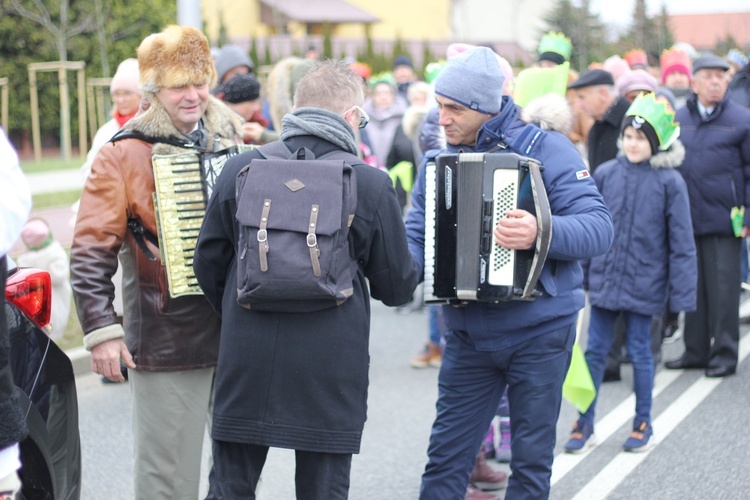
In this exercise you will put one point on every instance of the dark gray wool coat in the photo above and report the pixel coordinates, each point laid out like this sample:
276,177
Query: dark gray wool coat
300,381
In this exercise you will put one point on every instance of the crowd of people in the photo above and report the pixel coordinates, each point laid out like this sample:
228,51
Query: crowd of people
647,171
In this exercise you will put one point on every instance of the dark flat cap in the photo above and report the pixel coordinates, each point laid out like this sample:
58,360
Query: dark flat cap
710,61
593,77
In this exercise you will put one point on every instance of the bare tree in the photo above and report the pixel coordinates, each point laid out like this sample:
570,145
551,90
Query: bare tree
61,31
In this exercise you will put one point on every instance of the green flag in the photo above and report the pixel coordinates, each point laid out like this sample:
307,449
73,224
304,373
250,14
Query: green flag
536,82
402,171
578,387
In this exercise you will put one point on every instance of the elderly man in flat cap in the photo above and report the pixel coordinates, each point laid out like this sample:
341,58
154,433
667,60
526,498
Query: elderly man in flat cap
598,97
716,134
169,343
524,346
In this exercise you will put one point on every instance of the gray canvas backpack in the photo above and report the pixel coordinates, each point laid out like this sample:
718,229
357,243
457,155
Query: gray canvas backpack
294,212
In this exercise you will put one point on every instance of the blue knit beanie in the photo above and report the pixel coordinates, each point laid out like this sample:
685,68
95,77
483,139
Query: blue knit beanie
473,79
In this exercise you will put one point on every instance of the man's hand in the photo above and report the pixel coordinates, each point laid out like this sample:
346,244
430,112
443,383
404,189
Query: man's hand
105,359
745,232
517,232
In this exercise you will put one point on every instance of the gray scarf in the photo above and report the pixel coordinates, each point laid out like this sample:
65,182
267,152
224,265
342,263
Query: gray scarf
320,123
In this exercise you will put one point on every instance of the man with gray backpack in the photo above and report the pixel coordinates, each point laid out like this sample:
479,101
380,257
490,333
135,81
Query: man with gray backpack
294,233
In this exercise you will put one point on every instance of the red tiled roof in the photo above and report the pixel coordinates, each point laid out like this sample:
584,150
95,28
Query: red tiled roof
703,31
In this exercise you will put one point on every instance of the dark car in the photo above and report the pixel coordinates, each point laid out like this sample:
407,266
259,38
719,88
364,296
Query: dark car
45,382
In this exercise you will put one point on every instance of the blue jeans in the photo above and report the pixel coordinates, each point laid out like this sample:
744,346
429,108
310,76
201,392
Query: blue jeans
470,386
638,341
435,324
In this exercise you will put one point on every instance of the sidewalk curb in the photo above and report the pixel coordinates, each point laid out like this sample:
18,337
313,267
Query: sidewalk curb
80,358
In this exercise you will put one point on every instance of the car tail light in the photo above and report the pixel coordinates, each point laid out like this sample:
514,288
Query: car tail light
30,290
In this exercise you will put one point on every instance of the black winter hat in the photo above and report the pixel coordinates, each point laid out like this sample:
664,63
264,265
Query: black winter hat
241,88
639,123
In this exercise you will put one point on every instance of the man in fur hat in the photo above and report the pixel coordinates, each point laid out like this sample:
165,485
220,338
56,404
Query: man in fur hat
170,344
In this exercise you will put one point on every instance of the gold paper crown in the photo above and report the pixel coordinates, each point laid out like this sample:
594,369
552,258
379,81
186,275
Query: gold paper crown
658,116
382,77
557,43
636,56
675,59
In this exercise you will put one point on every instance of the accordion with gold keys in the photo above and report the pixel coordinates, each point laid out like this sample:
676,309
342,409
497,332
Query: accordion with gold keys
466,195
184,183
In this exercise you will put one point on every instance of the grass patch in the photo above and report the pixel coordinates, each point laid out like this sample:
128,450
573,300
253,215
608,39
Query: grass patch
60,199
50,165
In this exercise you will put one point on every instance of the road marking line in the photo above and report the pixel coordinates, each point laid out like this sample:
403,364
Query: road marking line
624,463
608,425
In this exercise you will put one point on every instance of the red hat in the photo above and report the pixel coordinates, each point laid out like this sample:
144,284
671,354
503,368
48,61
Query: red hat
675,60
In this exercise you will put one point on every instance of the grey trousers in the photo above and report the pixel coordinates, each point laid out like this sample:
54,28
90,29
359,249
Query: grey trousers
171,411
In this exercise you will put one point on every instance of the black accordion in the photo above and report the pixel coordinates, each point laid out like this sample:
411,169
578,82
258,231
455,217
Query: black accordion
466,195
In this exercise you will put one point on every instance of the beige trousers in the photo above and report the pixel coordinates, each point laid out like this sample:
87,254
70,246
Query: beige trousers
171,411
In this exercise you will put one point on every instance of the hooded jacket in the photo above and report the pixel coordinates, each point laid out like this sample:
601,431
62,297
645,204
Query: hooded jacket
581,229
162,333
382,126
652,258
717,163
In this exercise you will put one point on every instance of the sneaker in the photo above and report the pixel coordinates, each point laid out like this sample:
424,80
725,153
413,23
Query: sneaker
485,477
502,452
641,439
581,439
430,356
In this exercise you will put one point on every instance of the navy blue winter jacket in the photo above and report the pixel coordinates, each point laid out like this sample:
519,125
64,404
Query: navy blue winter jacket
653,255
581,229
717,163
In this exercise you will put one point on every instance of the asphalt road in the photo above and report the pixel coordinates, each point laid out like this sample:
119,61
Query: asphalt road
703,449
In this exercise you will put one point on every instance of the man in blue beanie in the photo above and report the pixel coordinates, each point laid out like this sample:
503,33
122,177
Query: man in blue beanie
525,346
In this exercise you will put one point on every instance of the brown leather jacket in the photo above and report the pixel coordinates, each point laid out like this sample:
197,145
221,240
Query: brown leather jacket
162,333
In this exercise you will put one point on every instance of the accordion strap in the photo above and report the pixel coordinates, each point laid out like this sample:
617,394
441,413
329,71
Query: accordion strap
141,235
544,228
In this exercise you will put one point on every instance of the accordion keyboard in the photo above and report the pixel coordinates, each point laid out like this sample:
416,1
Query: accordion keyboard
429,229
180,202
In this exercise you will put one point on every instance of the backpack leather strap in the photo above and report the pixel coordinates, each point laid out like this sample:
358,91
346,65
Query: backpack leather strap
263,236
312,240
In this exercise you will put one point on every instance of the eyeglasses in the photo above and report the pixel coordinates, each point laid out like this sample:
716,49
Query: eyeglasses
363,118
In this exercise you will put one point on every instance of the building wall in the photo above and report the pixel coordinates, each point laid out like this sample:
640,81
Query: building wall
519,21
705,31
412,19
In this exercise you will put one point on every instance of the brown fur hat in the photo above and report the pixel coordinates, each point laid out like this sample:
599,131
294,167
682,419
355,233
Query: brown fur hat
177,56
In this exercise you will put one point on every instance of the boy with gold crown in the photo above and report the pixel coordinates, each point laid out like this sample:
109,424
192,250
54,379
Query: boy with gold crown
652,261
